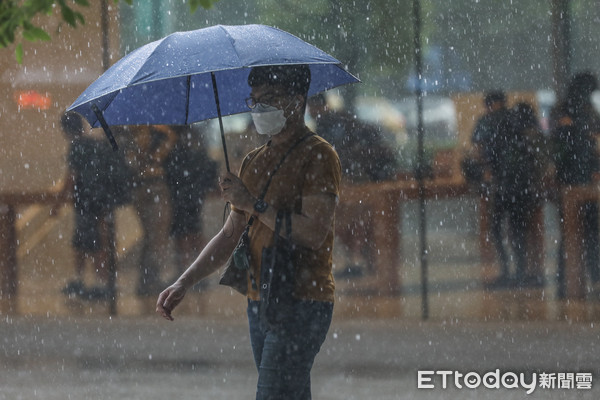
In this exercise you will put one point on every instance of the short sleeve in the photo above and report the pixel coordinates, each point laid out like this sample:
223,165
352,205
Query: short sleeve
244,165
323,172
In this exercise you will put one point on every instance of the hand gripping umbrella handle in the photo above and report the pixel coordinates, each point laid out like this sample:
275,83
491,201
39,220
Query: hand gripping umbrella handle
105,127
216,92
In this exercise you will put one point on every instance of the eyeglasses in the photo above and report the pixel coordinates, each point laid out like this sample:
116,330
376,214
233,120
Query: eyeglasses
268,99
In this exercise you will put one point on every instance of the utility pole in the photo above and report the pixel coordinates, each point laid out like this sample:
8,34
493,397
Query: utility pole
561,46
108,223
420,169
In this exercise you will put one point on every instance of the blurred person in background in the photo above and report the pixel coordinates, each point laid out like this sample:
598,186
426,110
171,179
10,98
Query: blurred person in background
510,147
191,174
365,158
97,181
575,127
489,140
522,185
151,197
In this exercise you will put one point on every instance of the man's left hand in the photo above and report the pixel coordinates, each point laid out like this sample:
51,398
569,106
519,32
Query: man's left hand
235,192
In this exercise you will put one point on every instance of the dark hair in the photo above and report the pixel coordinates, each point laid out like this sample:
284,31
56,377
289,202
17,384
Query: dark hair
293,78
582,85
72,124
494,96
578,94
525,115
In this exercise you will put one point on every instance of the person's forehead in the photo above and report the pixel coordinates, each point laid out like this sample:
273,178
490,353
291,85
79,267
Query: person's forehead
265,89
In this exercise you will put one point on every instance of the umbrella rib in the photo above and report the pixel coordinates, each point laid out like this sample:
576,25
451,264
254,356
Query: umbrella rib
104,107
232,41
105,127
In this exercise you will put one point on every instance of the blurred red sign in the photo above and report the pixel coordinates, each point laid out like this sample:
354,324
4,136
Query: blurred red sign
28,99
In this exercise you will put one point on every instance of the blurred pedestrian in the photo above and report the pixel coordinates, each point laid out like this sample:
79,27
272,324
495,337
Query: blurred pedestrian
97,181
191,174
364,154
151,198
522,188
511,145
490,139
576,125
302,174
365,157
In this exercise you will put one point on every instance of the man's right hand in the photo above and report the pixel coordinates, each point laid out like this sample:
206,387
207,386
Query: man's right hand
169,299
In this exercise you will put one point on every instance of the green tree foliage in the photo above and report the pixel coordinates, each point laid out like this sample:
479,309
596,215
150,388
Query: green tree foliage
16,18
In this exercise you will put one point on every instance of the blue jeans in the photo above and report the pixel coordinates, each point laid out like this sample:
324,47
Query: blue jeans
284,355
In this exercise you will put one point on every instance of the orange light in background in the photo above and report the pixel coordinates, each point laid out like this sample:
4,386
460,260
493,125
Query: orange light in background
28,99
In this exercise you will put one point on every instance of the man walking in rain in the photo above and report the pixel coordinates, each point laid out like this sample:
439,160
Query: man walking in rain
302,174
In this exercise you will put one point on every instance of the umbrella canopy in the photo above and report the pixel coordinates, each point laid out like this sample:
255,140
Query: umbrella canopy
175,80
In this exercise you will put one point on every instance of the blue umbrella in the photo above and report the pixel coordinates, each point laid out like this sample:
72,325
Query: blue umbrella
197,75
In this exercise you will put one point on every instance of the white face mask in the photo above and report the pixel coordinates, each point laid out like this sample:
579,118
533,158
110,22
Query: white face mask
268,120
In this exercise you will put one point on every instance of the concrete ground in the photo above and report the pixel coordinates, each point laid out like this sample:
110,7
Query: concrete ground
60,348
205,358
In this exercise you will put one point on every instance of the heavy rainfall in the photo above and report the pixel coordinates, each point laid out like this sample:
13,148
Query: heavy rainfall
466,253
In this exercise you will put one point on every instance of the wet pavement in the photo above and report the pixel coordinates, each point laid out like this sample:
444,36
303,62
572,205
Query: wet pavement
206,358
61,348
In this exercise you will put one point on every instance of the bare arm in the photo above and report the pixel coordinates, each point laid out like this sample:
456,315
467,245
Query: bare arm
211,258
216,252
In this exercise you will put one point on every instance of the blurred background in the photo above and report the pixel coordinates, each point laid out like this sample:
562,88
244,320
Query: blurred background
528,49
407,250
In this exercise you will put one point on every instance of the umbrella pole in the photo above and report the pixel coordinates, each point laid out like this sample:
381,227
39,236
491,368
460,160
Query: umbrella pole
216,92
105,127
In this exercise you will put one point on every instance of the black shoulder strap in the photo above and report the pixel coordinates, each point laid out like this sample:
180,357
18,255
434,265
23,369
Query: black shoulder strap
288,225
279,220
287,153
